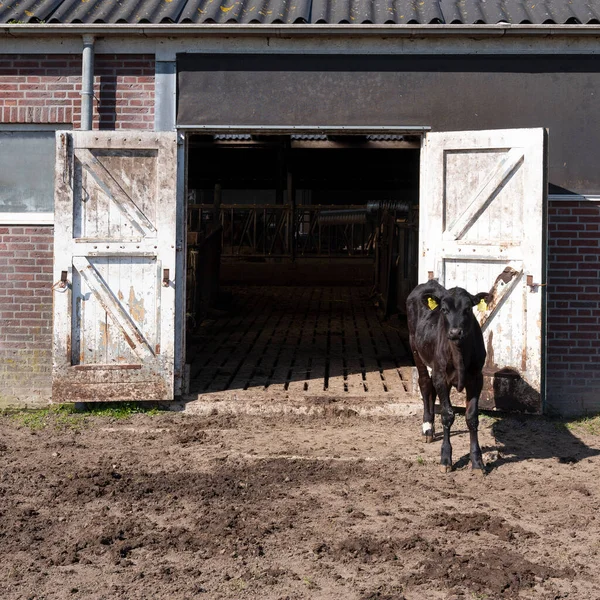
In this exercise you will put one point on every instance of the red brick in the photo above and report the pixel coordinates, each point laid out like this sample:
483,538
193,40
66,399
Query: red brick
561,233
38,284
560,204
586,211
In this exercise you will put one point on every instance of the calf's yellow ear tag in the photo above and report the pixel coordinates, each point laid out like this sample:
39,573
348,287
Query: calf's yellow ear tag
482,306
432,303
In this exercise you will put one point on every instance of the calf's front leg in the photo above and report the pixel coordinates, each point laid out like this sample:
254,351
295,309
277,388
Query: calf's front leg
473,389
443,391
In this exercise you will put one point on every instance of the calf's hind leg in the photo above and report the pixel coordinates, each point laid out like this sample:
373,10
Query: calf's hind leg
428,393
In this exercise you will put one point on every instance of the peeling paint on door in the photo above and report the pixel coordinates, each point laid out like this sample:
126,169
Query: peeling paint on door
136,307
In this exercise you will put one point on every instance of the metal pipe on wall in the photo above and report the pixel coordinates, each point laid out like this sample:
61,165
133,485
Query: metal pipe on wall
87,83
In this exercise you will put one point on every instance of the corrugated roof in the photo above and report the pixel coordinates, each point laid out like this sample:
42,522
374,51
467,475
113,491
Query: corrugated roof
246,11
376,11
517,11
332,12
117,11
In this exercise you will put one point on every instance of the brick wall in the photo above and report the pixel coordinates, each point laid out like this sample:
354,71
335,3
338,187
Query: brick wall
25,314
573,365
46,89
124,86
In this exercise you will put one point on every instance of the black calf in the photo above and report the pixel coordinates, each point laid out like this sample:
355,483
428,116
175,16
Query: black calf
445,336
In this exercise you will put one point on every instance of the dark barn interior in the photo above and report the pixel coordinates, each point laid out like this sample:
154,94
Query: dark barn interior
300,249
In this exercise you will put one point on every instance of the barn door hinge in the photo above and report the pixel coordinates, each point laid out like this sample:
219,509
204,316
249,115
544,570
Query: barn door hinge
67,174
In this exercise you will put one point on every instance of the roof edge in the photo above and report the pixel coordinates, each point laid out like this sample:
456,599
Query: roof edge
288,31
306,129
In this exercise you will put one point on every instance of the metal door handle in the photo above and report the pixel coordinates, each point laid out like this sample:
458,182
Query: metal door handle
165,280
533,286
62,283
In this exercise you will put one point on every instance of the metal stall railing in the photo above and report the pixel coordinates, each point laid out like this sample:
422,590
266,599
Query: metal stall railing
280,231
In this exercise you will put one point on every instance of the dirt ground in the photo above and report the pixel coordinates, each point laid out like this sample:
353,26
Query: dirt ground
174,506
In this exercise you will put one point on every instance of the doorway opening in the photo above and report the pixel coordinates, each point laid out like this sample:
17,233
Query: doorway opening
301,250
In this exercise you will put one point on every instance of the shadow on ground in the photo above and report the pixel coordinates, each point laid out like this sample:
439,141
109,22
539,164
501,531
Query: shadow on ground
526,437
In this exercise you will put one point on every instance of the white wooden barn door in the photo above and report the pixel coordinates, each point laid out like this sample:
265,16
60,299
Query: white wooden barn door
482,227
114,266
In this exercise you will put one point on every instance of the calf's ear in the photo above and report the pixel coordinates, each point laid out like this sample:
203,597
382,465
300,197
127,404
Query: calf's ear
431,302
480,300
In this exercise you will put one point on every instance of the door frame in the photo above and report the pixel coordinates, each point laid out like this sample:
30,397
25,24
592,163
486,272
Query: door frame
184,132
181,373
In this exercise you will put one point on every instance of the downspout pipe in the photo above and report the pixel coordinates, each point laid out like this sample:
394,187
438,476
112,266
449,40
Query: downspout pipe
87,83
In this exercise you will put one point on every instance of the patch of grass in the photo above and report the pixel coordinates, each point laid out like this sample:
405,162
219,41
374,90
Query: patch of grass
588,424
238,584
310,584
70,416
62,415
420,460
120,410
35,419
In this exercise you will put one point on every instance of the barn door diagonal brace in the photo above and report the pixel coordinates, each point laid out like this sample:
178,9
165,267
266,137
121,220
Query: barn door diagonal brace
113,309
486,193
114,191
503,286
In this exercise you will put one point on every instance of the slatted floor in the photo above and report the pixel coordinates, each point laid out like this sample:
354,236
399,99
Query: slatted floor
299,340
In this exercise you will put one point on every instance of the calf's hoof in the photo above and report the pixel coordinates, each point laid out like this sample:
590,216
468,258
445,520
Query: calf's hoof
478,471
445,469
428,432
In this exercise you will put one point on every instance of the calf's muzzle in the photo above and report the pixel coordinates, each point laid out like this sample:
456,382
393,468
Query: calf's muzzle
455,334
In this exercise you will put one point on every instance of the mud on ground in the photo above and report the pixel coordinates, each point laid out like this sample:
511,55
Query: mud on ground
175,506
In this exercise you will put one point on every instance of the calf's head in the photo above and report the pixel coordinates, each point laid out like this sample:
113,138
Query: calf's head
456,307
